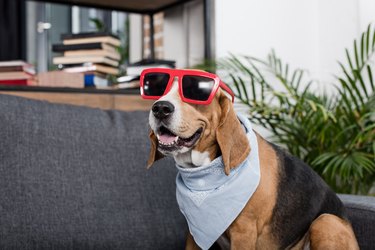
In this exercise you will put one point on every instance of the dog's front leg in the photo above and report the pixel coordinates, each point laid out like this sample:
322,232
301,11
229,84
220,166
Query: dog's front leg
190,243
243,233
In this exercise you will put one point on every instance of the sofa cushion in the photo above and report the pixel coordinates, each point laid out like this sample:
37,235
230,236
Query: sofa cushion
74,177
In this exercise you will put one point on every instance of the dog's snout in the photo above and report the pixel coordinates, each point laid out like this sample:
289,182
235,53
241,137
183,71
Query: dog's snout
162,109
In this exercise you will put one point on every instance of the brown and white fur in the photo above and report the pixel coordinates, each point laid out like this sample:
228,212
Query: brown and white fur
292,207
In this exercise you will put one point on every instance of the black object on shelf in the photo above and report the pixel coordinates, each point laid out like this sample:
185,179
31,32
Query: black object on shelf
142,62
88,35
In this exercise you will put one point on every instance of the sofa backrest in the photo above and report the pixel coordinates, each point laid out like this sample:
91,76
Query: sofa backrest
74,177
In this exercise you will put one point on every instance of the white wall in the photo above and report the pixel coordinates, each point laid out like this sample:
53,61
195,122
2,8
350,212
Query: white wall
310,34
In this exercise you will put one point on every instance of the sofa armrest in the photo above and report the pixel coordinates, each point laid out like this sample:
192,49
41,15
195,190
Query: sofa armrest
361,212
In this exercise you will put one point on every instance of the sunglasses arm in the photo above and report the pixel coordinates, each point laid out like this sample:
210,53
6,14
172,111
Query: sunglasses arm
227,89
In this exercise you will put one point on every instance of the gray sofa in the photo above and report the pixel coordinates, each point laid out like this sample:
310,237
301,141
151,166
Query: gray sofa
75,178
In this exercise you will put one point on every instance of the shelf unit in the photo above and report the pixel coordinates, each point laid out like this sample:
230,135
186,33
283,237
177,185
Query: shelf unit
145,7
122,99
127,99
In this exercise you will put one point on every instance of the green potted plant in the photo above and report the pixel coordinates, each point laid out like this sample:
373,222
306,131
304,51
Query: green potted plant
333,133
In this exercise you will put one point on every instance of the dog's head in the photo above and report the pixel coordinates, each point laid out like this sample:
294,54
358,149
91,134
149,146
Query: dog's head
196,134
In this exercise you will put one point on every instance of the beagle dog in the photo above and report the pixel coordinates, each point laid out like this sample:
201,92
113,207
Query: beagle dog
291,208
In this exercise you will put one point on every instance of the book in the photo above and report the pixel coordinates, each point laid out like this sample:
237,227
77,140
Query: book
92,80
85,59
95,73
100,52
13,63
92,68
14,66
60,48
128,85
15,82
61,79
11,68
127,82
100,39
127,78
88,35
17,75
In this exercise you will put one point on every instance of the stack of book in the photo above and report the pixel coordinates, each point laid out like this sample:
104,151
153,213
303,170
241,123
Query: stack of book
94,54
131,80
16,73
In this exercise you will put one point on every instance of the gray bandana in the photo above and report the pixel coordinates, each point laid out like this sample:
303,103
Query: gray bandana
211,200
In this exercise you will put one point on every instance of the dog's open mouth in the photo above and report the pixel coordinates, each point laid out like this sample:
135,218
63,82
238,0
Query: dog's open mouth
169,141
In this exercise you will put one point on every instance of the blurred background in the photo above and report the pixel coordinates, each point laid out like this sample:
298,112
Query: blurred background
301,70
310,34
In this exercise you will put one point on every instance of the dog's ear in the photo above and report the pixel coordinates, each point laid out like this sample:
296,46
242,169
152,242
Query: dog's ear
231,136
154,153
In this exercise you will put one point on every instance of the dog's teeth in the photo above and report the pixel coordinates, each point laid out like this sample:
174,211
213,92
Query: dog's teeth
167,144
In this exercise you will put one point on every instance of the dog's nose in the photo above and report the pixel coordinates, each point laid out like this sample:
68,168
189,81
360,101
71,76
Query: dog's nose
162,109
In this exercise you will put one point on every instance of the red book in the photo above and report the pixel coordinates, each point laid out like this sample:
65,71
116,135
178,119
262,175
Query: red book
15,82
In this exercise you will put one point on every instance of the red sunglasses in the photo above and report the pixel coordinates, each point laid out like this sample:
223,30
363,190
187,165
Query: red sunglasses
195,86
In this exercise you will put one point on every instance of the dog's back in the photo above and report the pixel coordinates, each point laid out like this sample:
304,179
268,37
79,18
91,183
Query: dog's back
302,197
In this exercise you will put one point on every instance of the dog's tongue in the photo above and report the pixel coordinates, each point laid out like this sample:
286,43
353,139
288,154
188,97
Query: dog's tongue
167,139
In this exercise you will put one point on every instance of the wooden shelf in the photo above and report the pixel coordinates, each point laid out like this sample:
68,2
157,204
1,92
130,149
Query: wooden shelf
133,91
121,99
134,6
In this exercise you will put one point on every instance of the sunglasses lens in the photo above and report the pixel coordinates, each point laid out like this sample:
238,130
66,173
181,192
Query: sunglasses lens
197,87
154,84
